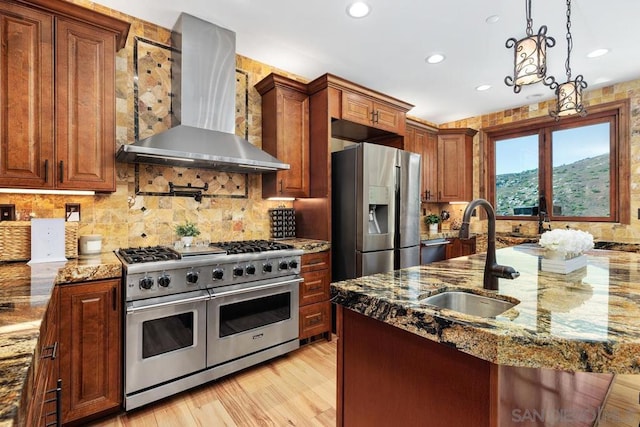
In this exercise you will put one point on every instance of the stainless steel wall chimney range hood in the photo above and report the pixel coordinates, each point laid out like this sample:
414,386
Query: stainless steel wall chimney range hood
204,87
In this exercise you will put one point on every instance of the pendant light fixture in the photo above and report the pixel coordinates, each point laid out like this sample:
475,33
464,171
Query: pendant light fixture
530,55
568,94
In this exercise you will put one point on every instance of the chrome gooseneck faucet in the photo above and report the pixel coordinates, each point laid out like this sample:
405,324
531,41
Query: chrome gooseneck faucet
492,270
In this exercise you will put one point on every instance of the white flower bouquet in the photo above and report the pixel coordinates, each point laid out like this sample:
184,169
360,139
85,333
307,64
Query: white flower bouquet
568,243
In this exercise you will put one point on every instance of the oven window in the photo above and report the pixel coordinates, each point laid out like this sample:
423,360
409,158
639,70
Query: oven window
167,334
245,315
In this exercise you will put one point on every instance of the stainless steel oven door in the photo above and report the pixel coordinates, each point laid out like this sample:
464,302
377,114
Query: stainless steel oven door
245,320
165,338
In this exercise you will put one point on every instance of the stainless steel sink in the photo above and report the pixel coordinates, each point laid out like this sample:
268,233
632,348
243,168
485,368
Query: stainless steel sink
467,303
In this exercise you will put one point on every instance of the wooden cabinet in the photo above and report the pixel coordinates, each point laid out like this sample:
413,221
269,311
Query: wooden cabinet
66,141
42,401
423,140
455,165
315,308
285,135
90,348
363,109
447,161
460,247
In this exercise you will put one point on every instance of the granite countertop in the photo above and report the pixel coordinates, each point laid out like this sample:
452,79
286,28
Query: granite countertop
24,294
588,320
308,245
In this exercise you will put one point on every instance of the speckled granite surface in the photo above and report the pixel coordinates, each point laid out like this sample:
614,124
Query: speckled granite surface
308,245
24,294
588,320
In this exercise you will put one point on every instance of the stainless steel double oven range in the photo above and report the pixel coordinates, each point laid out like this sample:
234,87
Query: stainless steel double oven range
204,312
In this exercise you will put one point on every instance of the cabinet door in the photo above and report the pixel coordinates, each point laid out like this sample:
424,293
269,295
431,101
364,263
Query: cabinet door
357,108
452,163
26,97
90,359
389,118
425,143
85,107
285,135
315,319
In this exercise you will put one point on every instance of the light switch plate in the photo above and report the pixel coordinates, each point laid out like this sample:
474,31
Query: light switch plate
72,212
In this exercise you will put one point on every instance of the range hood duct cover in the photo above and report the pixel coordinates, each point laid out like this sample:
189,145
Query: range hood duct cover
204,86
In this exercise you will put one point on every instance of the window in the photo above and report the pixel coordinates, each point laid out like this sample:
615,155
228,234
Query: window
572,170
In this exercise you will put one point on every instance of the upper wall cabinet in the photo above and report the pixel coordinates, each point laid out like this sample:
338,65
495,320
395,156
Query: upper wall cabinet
455,165
447,161
285,135
423,139
57,130
362,114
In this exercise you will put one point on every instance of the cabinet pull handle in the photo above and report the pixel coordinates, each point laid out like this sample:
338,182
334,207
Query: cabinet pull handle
315,288
61,171
439,195
57,399
280,186
46,171
54,351
376,117
314,320
114,297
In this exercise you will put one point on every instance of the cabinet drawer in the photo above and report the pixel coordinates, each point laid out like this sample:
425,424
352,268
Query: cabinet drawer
315,287
315,319
315,261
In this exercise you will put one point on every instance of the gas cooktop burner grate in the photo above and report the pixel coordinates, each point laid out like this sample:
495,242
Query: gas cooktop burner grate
248,246
148,254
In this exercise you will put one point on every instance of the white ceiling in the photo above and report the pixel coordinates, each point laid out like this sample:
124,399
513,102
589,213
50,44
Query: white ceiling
386,50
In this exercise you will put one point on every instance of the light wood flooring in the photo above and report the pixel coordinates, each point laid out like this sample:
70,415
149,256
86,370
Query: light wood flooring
298,389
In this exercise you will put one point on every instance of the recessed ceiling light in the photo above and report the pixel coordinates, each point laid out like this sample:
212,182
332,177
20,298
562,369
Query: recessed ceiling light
482,88
492,19
358,9
601,80
597,52
435,58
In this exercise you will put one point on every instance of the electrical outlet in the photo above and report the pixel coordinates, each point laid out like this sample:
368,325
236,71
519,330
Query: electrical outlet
7,212
72,212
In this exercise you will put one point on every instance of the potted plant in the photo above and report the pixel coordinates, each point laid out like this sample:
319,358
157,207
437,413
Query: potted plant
187,232
433,220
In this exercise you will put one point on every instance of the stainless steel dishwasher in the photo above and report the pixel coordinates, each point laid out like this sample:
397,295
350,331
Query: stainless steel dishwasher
433,250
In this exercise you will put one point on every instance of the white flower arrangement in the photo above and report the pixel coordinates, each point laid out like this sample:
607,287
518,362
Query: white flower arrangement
570,243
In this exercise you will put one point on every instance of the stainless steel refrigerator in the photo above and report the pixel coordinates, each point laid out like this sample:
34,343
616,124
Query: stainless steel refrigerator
375,210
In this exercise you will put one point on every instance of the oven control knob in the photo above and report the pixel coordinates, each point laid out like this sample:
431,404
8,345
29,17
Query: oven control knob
284,265
192,277
293,264
164,280
238,271
251,269
218,274
146,282
267,268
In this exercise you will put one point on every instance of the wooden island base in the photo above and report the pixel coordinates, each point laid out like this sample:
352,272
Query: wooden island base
391,377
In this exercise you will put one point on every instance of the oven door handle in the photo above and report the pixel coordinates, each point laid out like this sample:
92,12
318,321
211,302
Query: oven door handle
134,310
254,288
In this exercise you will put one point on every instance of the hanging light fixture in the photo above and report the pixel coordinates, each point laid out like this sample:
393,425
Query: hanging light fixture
568,94
530,55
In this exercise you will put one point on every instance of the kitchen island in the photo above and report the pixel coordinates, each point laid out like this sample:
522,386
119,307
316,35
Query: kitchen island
556,350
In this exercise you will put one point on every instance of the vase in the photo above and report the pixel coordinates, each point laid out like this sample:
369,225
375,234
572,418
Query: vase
560,262
433,228
187,241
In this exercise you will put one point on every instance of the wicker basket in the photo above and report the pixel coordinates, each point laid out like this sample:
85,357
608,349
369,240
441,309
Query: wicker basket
15,240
